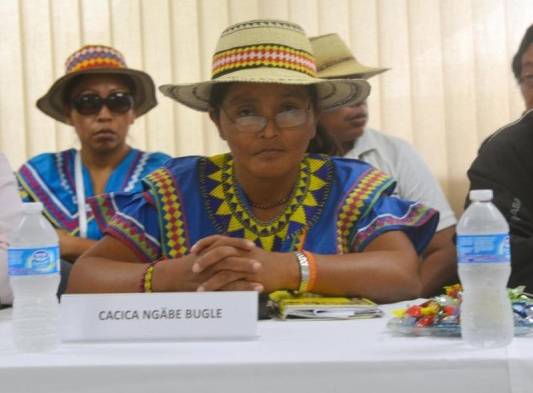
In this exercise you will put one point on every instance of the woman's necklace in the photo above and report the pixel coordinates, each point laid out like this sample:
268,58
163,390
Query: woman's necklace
266,206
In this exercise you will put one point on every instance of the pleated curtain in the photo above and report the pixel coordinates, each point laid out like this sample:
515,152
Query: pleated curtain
450,83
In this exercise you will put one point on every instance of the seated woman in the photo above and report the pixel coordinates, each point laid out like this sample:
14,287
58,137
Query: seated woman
100,97
265,216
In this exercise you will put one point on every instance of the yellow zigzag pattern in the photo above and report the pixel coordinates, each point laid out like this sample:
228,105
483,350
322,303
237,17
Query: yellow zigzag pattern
241,219
172,215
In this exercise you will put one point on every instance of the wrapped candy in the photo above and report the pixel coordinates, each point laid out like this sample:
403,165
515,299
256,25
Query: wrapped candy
440,316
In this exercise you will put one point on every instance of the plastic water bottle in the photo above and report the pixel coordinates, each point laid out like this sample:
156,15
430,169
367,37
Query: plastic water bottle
484,267
34,260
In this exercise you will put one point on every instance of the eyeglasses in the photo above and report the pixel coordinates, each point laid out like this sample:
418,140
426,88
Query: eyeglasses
91,104
527,80
256,123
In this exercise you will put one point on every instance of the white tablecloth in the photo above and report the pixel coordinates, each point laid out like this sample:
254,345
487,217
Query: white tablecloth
293,356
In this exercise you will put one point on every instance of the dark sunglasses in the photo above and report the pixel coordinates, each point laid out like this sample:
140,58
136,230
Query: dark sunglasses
91,104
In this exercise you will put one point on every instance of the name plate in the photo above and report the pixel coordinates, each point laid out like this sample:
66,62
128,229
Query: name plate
159,316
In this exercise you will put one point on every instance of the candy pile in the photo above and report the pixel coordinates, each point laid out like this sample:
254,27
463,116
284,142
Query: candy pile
440,316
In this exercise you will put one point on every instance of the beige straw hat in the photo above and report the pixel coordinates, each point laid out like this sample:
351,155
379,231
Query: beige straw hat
267,51
97,59
335,60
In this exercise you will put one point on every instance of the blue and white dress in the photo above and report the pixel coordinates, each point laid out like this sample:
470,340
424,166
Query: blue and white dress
50,178
338,206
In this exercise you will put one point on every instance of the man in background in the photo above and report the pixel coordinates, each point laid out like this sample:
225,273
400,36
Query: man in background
397,158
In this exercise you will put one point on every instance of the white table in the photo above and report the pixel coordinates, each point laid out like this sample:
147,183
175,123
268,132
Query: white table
293,356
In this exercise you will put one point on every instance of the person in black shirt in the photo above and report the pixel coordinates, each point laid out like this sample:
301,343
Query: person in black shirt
505,165
522,66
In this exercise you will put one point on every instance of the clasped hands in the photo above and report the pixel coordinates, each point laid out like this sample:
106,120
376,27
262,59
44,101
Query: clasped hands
222,263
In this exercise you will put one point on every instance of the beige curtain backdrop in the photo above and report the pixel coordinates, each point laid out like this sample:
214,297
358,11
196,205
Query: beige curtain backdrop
450,83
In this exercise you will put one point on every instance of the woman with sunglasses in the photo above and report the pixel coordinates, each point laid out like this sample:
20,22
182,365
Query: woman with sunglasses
100,97
266,216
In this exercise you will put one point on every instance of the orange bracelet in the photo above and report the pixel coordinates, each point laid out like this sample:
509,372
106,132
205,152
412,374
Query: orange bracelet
312,270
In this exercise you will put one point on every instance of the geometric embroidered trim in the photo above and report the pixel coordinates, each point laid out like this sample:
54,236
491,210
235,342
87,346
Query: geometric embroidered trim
230,213
175,238
265,55
362,196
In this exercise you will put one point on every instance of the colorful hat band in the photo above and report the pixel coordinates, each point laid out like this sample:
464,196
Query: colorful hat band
94,57
266,55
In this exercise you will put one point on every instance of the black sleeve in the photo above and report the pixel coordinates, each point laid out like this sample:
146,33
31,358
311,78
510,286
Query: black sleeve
504,165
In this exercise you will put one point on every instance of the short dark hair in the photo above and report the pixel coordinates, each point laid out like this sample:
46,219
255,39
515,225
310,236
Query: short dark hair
218,93
517,59
324,143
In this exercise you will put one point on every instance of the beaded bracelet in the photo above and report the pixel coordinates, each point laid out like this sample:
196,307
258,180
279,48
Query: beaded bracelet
147,278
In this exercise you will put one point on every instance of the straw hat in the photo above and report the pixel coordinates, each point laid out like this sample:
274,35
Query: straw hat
335,60
267,51
97,59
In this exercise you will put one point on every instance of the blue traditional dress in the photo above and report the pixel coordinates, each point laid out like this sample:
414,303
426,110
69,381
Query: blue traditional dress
338,206
50,178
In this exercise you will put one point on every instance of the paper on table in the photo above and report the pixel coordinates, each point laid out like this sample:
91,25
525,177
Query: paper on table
287,305
335,314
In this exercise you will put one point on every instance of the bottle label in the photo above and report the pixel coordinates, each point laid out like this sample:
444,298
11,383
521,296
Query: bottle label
483,248
33,261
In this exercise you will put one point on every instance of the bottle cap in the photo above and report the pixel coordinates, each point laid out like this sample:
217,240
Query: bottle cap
480,195
33,207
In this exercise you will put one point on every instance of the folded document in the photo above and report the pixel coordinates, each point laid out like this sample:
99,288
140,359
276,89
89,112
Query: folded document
284,305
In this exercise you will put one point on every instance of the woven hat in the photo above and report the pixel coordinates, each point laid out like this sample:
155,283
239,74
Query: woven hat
335,60
267,51
97,59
